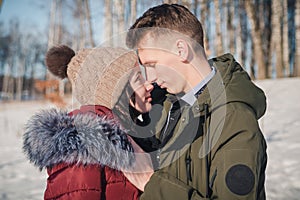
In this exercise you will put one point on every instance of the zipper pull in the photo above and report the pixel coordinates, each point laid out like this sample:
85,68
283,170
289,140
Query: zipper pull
188,168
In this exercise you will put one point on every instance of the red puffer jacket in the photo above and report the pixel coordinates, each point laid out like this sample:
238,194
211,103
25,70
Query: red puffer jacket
83,152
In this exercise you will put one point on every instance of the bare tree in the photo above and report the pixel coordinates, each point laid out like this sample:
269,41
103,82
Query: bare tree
218,42
20,71
170,1
243,27
297,53
256,33
133,7
204,16
265,14
88,17
81,15
51,31
196,3
285,42
230,26
108,26
187,3
277,15
8,87
120,17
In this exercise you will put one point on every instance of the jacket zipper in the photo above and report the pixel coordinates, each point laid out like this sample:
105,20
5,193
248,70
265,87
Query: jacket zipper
168,122
162,135
188,162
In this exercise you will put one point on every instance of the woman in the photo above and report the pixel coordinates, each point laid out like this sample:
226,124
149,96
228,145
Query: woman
84,150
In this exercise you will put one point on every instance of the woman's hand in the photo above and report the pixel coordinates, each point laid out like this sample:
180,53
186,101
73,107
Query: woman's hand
142,170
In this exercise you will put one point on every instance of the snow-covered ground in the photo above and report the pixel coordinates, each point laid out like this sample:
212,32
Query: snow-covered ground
281,126
281,123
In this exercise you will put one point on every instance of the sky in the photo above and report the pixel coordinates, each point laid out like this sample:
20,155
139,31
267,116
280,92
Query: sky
32,14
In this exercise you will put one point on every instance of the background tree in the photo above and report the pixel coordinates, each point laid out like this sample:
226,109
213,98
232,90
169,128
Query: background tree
296,61
256,32
108,20
218,41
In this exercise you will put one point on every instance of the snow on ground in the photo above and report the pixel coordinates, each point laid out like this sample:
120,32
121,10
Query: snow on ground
21,180
281,126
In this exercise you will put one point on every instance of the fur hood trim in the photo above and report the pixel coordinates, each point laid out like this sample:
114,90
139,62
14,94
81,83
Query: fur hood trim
53,137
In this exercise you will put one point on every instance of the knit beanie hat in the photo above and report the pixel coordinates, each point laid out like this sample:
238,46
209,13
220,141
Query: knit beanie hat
98,75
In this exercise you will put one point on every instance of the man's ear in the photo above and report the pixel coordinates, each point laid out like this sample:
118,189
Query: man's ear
182,50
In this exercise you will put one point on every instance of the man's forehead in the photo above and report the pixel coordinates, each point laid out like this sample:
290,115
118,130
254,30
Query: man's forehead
149,41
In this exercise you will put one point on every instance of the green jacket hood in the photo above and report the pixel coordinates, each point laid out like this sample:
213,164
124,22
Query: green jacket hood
236,86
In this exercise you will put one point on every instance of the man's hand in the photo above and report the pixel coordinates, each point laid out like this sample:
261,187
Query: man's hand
141,171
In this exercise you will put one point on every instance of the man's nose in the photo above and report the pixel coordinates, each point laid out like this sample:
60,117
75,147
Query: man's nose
150,74
149,87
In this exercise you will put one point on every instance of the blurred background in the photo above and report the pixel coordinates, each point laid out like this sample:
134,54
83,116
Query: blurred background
263,36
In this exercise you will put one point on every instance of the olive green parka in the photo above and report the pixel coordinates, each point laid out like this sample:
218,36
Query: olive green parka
220,136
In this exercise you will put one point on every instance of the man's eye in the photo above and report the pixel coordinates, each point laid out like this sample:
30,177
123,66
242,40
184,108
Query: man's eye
150,65
139,77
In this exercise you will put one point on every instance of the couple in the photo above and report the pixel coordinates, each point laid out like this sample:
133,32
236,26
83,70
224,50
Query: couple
207,142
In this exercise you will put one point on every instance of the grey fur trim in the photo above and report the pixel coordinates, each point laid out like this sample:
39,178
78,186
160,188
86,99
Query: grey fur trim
52,137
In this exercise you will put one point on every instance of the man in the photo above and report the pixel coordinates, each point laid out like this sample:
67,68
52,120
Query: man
210,143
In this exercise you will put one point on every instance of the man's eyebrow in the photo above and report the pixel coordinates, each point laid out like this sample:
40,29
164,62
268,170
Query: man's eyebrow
139,60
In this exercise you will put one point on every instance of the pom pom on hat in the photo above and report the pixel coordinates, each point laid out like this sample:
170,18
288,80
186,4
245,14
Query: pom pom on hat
57,60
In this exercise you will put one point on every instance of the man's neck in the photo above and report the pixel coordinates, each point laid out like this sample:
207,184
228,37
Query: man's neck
199,69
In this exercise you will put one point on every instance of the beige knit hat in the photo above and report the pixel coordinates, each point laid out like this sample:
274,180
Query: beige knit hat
99,75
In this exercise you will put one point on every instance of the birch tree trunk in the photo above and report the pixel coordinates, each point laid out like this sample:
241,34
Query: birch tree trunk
81,13
252,60
230,27
186,3
19,79
90,28
257,40
55,34
243,26
133,7
120,5
277,15
108,25
265,18
297,53
218,42
52,24
204,15
58,26
285,40
196,7
170,1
